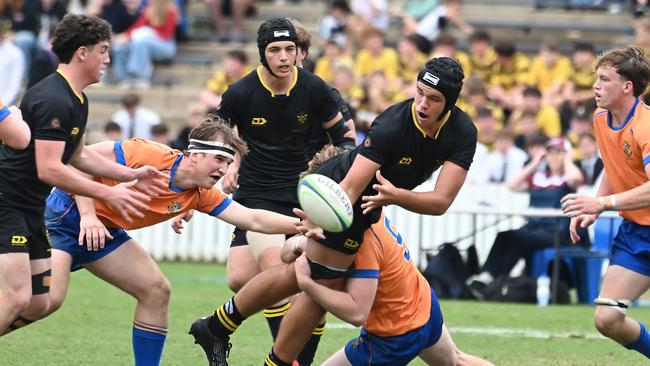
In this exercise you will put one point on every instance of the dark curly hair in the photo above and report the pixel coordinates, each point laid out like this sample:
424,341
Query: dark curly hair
76,31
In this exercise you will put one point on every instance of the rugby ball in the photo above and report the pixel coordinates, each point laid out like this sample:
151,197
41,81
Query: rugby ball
325,202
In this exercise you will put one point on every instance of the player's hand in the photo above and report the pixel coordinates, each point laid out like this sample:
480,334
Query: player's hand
94,232
229,180
151,181
127,201
177,221
303,273
577,204
306,227
581,221
386,194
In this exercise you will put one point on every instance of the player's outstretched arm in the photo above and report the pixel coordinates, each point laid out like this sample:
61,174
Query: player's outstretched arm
13,130
352,305
261,221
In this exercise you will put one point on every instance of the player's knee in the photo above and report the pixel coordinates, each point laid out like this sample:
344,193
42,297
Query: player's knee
237,279
607,320
56,301
157,292
19,299
38,308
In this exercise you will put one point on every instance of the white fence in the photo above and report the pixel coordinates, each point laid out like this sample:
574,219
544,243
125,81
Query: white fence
208,239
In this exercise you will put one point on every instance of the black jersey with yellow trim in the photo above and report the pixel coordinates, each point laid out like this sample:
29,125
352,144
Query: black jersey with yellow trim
277,128
54,112
319,137
406,154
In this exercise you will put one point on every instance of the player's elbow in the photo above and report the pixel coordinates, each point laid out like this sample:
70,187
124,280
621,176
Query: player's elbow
18,142
358,318
47,174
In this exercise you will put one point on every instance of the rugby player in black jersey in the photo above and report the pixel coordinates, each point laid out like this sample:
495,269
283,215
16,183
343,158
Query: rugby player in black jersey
56,111
407,143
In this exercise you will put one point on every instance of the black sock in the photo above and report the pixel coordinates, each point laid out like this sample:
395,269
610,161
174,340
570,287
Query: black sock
273,360
306,356
226,319
274,315
19,323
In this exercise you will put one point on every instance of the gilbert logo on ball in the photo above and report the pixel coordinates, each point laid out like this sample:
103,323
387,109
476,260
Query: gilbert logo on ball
325,202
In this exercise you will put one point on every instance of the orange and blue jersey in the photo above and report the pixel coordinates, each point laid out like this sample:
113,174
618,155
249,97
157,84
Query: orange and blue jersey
136,153
626,151
403,299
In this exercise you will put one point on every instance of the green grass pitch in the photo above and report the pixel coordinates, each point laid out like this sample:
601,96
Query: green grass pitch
94,328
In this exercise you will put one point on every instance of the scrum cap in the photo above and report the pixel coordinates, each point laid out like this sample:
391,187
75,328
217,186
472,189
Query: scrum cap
446,76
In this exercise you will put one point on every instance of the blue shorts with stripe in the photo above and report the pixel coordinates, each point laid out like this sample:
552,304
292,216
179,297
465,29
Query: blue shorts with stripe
62,222
631,248
370,349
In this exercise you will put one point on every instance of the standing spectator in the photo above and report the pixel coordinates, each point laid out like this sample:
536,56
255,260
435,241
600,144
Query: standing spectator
590,164
233,68
134,119
150,38
12,66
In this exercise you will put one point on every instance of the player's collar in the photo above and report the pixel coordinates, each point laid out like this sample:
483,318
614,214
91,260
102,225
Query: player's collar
172,174
417,124
293,83
81,98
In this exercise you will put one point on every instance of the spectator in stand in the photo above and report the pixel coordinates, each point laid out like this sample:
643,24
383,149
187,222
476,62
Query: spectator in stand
238,9
374,56
446,45
505,161
52,11
196,113
526,130
134,119
160,134
581,122
550,72
547,116
430,18
234,67
25,20
578,91
487,126
379,96
481,55
590,163
474,96
112,131
353,94
368,14
333,26
557,177
120,14
12,66
412,50
333,55
509,75
150,38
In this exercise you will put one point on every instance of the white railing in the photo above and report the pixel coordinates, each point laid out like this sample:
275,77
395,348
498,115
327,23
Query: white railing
208,239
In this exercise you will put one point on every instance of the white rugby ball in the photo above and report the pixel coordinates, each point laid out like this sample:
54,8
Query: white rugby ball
325,202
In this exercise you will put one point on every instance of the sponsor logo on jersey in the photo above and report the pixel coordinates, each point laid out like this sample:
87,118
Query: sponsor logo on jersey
75,131
627,150
174,207
18,240
405,160
258,121
351,244
302,118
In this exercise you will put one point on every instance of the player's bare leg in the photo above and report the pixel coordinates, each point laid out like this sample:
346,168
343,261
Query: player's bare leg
15,287
132,270
446,353
623,286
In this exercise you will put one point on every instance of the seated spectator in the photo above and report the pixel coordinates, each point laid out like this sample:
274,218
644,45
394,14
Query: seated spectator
547,116
120,14
12,66
505,161
113,131
474,96
375,57
379,95
333,54
430,18
559,177
25,22
333,26
508,78
549,72
487,127
481,55
134,119
578,91
233,68
238,9
353,94
446,45
412,50
52,13
525,128
581,122
149,39
590,163
160,134
196,113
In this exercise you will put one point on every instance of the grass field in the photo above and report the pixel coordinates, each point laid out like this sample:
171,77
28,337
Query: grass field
94,328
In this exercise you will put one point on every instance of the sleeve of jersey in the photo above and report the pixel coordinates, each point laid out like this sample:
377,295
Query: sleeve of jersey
642,135
366,264
379,140
212,201
328,106
136,152
52,120
4,112
463,153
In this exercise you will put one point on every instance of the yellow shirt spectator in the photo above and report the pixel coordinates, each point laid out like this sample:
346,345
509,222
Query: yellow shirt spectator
509,76
325,67
482,67
219,81
387,62
544,77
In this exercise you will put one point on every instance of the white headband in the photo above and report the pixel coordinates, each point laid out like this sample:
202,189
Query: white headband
211,147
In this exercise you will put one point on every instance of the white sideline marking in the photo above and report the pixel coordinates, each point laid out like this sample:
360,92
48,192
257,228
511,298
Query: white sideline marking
501,332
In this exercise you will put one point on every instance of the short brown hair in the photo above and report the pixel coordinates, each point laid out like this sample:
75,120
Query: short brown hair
214,126
304,38
631,63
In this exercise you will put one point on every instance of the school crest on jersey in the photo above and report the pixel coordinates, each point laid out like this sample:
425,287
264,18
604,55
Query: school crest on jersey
627,150
174,208
302,118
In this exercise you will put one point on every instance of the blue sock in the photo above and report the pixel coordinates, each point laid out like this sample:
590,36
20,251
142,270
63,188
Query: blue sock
642,344
148,343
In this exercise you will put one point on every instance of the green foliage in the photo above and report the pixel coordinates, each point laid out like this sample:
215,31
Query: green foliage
94,328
